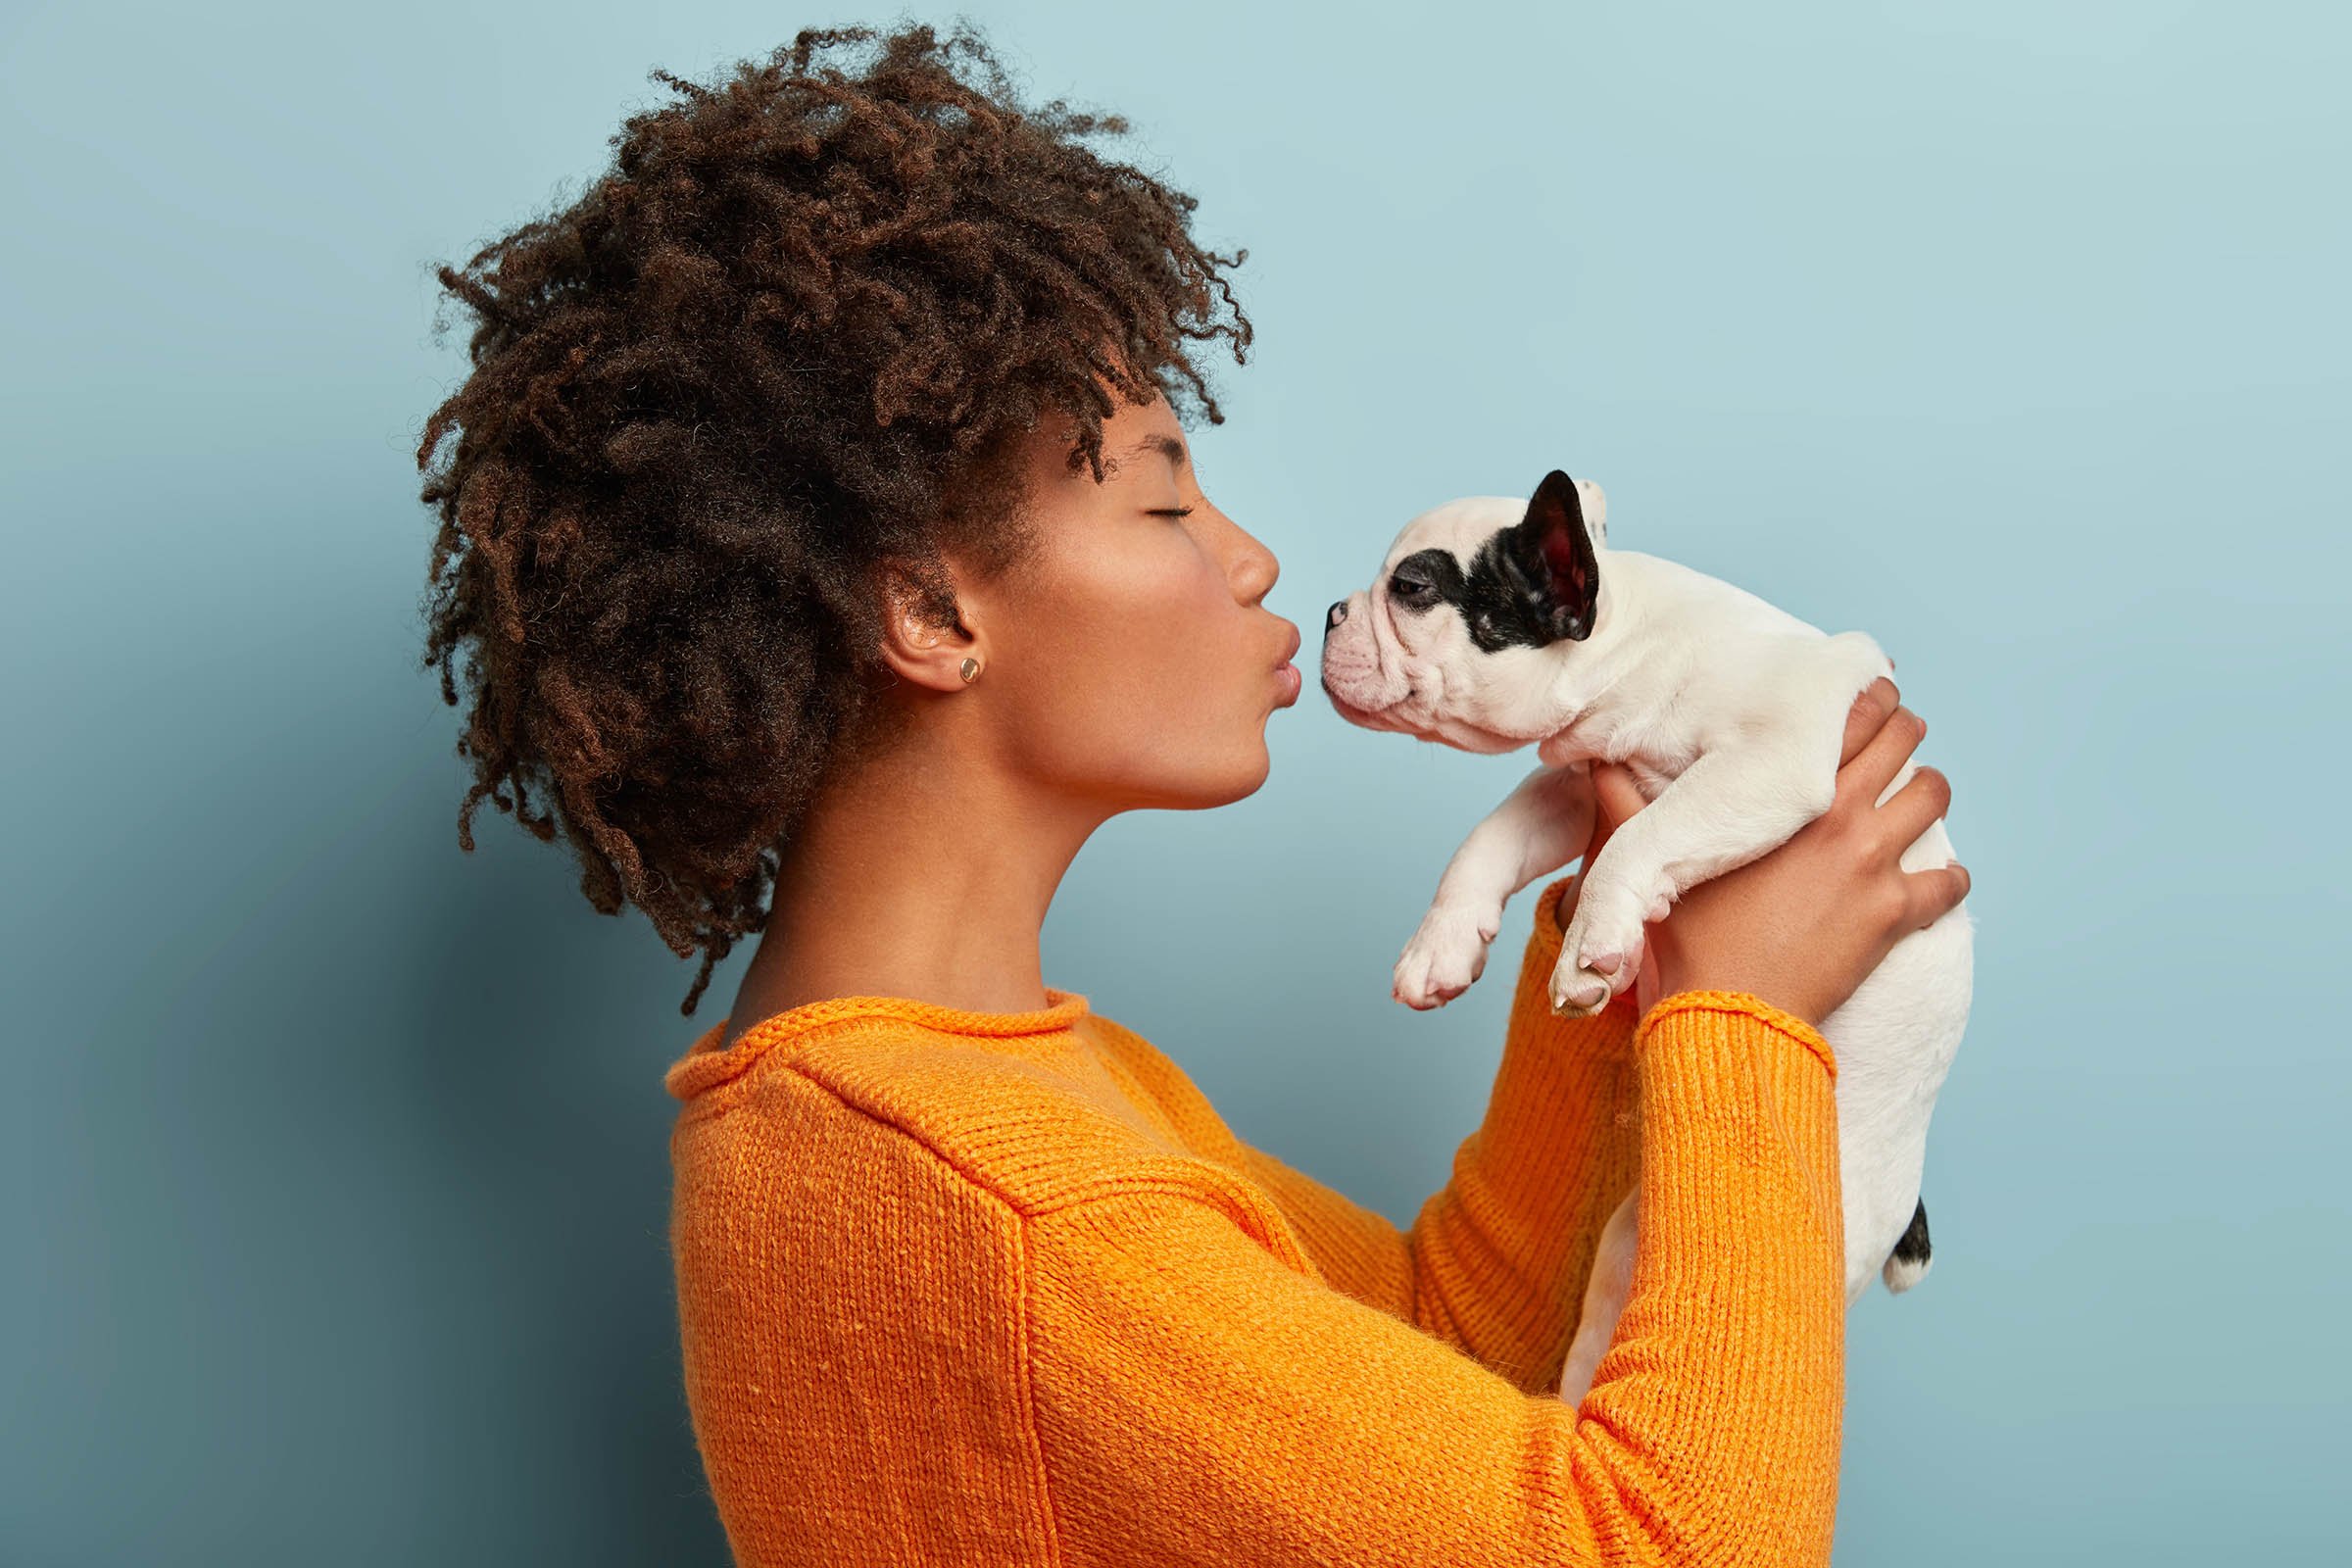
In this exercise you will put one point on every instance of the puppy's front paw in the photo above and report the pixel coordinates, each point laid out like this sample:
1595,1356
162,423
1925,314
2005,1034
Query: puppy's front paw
1598,959
1446,954
1578,991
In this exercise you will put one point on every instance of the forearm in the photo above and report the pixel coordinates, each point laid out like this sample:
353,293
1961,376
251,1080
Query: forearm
1499,1256
1495,1261
1201,1400
1732,1336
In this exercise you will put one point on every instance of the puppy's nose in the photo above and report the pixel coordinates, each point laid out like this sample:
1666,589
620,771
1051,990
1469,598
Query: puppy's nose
1336,614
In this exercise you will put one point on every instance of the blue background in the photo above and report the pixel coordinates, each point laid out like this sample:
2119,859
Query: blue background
336,1172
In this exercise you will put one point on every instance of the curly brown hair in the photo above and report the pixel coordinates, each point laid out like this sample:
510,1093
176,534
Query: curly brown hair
796,332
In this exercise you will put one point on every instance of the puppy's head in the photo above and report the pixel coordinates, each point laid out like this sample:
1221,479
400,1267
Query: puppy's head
1458,637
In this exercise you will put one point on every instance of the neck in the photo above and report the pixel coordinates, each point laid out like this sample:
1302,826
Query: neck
915,876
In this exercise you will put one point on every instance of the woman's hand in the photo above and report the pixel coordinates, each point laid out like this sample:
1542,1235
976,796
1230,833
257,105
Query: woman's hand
1801,925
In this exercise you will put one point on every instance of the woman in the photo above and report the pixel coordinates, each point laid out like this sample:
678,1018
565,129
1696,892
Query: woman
824,558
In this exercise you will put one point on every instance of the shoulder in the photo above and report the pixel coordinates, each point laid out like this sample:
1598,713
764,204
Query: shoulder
1034,1125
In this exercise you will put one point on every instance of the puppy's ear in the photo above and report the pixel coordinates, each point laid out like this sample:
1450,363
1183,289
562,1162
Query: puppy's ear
1551,554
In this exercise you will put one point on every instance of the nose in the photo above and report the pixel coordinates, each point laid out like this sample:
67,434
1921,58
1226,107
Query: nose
1335,614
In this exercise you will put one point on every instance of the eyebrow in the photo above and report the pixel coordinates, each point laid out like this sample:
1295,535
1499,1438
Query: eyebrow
1166,445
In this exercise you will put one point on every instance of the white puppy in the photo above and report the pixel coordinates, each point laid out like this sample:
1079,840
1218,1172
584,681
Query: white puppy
1495,623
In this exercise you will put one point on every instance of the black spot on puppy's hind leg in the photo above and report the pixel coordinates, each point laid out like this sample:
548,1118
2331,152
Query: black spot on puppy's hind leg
1908,1263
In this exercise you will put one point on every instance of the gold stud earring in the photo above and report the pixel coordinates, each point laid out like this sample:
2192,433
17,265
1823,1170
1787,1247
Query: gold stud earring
969,670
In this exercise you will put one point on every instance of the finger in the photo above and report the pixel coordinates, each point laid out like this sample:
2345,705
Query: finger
1618,796
1874,767
1924,798
1934,893
1877,699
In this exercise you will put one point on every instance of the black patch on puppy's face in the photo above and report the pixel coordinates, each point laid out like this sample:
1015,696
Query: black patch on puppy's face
1534,583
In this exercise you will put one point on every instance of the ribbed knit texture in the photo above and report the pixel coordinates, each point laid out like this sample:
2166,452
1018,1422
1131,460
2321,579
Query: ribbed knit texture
1004,1289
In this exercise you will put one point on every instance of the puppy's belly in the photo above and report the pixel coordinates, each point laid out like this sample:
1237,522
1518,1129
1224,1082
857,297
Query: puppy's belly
1894,1039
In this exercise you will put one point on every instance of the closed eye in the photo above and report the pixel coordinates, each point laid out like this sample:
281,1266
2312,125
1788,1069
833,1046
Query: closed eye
1170,512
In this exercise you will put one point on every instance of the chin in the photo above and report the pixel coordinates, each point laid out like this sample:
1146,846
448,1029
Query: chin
1208,790
1249,781
1461,734
1486,743
1363,718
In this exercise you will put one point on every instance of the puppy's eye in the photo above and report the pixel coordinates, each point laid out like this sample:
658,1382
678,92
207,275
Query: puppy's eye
1414,592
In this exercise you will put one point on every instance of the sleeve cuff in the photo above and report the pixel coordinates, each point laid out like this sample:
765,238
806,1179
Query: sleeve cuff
1738,1002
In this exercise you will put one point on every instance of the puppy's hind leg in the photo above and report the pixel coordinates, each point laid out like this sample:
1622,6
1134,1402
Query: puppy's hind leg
1908,1263
1540,827
1605,1290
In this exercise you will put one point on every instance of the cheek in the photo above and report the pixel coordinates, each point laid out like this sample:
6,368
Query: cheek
1183,641
1404,637
1140,617
1416,641
1435,659
1134,666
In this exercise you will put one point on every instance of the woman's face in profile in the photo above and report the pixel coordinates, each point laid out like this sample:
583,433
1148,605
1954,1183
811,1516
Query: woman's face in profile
1130,660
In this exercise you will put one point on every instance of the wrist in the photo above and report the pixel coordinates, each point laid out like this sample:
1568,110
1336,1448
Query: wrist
1774,991
1770,992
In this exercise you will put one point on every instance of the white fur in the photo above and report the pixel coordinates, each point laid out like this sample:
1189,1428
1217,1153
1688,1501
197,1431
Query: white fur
1730,713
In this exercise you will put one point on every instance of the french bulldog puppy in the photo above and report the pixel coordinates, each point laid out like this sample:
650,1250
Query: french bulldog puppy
1497,624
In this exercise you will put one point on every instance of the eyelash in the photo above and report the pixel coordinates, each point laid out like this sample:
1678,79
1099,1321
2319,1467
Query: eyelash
1171,512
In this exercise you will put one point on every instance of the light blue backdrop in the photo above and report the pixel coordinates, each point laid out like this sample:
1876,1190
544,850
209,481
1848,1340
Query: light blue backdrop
335,1168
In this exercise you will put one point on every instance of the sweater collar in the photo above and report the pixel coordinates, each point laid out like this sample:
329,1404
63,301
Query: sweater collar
704,1066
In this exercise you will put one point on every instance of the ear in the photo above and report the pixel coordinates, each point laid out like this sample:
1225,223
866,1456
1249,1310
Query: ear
1551,554
924,636
1595,507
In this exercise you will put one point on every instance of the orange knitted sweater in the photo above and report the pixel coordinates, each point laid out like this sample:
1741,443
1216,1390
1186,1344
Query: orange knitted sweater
1003,1289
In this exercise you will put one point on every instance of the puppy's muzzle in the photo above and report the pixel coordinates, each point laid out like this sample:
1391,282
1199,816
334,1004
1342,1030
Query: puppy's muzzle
1352,675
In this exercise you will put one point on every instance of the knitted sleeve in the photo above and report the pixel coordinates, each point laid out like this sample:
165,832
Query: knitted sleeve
1200,1398
1497,1259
